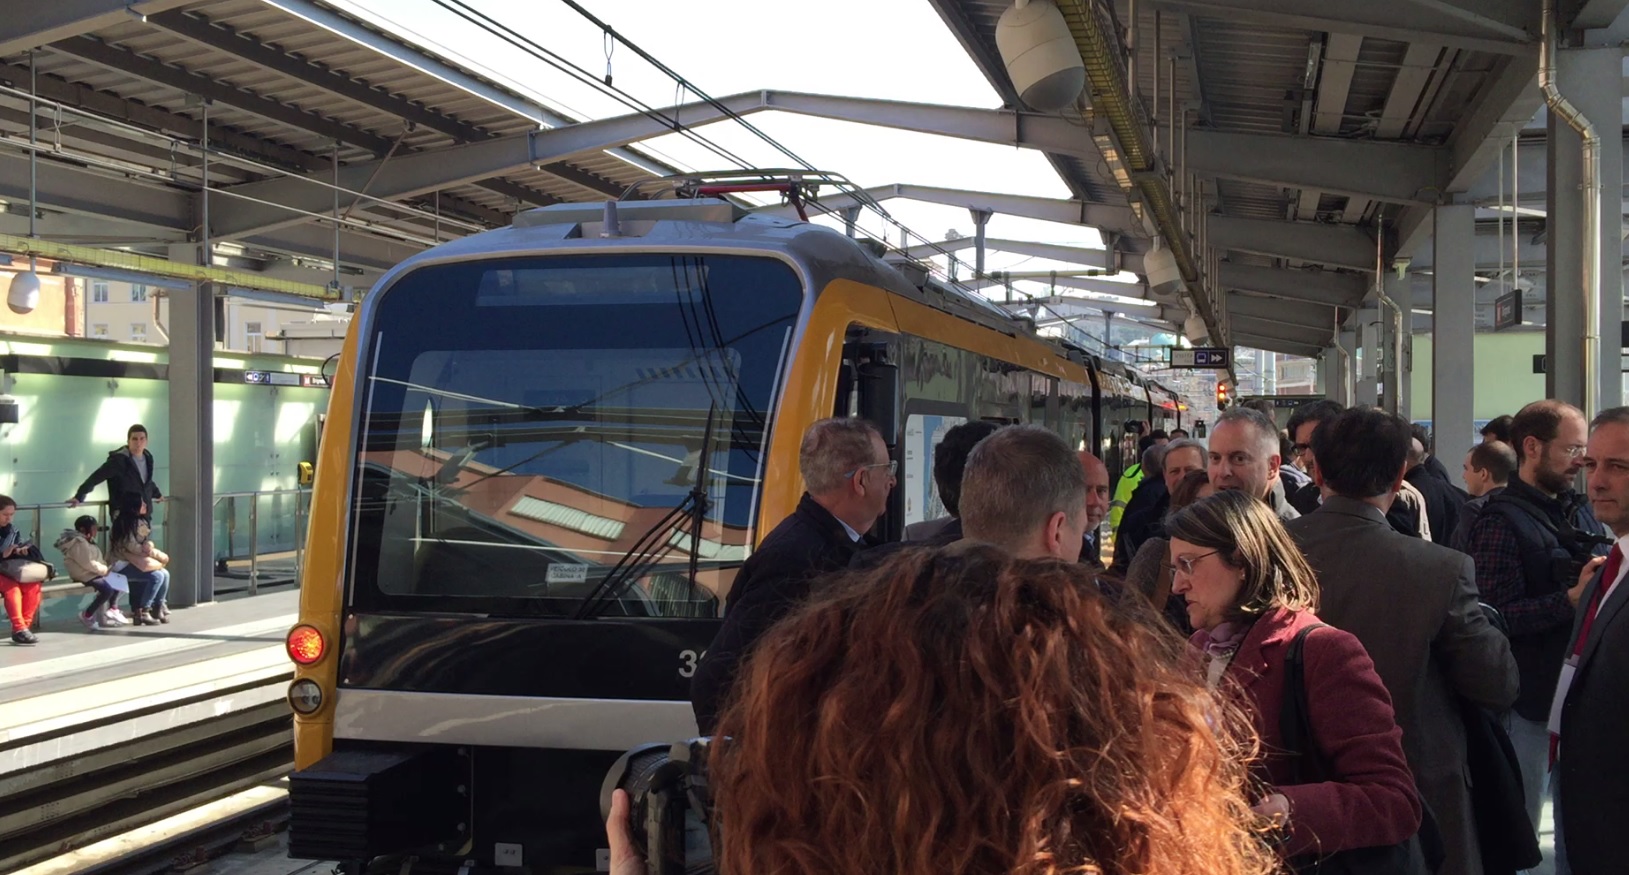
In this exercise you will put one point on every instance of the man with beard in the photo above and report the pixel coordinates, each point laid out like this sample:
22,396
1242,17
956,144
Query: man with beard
1530,544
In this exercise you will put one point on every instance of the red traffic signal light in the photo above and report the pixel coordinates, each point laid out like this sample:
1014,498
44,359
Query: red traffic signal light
1221,395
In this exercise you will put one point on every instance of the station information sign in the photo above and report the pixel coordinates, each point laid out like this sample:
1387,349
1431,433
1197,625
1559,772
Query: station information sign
1202,357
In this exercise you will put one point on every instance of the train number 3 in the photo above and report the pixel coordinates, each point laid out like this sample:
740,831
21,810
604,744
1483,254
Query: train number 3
688,660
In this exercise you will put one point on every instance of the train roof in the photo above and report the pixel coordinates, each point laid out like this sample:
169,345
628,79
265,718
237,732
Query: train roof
823,254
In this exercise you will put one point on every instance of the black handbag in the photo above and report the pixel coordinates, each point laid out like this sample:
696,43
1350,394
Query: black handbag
1422,853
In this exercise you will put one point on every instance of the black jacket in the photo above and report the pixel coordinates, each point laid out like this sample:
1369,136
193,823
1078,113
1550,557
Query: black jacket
1461,539
1404,520
1442,503
772,582
1144,518
125,484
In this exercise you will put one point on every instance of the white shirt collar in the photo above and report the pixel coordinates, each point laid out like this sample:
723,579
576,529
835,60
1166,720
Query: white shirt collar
852,535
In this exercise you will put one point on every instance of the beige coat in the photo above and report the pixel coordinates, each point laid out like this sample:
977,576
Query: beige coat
84,558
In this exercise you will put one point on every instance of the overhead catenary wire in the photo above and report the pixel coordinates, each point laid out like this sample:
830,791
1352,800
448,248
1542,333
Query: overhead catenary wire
509,35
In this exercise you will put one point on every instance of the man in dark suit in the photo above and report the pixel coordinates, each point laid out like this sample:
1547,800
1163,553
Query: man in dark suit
1591,710
848,475
949,458
1413,604
1443,500
1024,491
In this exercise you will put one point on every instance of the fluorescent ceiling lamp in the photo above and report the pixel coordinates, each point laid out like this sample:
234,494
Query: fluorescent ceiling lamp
1512,208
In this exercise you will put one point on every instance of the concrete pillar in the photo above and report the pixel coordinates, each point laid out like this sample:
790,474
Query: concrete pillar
1454,333
191,508
1590,79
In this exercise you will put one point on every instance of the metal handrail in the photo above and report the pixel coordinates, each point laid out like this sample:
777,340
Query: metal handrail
301,512
302,498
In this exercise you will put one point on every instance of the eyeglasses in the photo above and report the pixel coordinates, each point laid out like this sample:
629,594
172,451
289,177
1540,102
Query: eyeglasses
1574,452
1184,564
1298,449
892,465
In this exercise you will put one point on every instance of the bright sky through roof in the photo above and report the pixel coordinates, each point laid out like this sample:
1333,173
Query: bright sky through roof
731,46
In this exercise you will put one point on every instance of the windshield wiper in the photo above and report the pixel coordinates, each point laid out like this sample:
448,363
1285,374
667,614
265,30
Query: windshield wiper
653,544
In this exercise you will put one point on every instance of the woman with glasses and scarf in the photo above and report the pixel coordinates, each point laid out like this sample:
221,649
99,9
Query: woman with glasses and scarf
1250,597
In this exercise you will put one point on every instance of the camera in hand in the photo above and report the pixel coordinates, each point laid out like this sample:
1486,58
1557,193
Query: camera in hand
671,812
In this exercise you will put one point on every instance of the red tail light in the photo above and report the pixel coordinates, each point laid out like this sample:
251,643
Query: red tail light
305,645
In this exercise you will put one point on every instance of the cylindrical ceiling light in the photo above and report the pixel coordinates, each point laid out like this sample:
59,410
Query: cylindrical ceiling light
1041,56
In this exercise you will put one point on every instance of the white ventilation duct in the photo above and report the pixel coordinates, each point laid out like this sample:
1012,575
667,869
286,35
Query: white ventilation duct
1041,57
24,295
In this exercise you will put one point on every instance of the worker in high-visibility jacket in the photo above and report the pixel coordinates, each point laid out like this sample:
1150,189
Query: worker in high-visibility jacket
1148,449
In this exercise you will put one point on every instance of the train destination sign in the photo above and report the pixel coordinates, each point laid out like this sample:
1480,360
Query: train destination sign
1202,357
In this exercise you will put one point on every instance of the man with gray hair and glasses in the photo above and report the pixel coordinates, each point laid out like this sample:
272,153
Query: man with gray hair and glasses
1024,490
1244,455
848,475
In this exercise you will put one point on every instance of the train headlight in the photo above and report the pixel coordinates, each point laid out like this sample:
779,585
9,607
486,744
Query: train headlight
305,645
305,696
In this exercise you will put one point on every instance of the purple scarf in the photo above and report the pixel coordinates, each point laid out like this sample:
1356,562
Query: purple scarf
1222,640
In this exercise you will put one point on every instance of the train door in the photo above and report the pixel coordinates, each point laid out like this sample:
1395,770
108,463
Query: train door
869,387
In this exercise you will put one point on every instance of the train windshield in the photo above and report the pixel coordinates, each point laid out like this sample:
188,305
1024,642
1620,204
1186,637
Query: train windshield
568,436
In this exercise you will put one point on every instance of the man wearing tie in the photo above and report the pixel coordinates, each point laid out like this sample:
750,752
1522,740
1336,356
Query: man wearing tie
1590,778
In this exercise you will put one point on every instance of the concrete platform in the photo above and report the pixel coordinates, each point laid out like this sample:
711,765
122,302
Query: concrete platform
78,678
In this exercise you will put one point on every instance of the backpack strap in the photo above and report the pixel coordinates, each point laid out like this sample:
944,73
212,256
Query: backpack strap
1295,718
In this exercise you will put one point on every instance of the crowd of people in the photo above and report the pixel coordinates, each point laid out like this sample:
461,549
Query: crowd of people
133,565
1357,665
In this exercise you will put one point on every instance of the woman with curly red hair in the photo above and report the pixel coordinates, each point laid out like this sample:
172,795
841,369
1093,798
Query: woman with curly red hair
962,711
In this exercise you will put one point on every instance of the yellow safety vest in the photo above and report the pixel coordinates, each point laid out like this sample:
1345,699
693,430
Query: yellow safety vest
1122,494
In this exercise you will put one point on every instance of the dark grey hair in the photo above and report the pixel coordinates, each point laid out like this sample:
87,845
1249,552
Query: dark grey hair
1183,444
832,448
1015,480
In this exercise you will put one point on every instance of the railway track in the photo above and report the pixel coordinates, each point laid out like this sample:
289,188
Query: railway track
78,785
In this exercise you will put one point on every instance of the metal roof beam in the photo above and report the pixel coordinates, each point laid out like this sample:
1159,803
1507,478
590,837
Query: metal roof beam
418,59
211,35
1497,26
29,25
1277,344
1294,314
1308,336
78,190
200,30
1083,283
1509,101
1069,212
317,241
1595,14
125,61
1329,245
1395,172
432,169
1320,287
1340,63
1055,303
1104,258
120,109
125,205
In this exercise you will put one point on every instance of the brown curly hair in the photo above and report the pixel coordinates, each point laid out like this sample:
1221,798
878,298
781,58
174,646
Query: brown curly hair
962,711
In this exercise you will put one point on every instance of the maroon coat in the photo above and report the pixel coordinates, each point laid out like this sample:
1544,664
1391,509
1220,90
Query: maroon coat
1351,717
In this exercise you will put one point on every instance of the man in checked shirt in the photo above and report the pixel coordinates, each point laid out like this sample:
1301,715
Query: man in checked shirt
1529,544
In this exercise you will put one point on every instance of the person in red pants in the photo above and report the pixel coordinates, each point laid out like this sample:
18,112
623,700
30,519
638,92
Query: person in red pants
22,606
22,600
